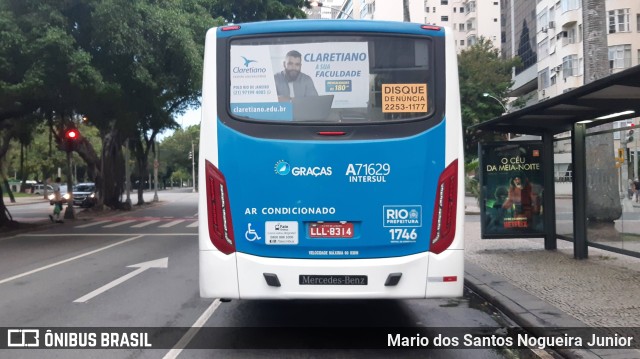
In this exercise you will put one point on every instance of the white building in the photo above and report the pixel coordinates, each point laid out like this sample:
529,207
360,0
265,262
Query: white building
559,53
560,44
469,19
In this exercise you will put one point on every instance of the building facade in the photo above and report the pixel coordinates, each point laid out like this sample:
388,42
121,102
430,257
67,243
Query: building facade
469,19
560,42
560,65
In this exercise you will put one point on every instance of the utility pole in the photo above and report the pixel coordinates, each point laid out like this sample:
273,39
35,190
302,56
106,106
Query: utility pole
127,174
193,166
155,171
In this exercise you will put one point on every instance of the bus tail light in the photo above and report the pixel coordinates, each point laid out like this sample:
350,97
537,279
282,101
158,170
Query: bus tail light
219,210
230,28
431,27
443,228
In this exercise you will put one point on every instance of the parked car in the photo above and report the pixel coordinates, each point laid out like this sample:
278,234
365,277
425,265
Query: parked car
39,189
63,193
84,195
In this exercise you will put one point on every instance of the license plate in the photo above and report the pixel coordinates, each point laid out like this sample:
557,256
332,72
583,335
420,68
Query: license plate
331,230
306,279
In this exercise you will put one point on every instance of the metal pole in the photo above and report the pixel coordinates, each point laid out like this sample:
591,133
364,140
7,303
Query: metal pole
549,198
635,157
155,172
578,154
624,179
127,173
193,166
69,213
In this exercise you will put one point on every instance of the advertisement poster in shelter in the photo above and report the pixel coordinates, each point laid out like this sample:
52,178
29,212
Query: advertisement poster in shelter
511,189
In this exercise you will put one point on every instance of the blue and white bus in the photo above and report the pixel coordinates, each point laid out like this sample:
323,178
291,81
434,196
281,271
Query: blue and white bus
331,161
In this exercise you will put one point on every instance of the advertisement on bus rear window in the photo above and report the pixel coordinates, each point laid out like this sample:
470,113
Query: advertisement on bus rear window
298,81
511,181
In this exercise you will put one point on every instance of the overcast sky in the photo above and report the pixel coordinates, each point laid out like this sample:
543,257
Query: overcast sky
190,118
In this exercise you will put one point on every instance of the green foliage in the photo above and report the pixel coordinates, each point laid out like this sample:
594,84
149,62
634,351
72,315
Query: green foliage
259,10
482,70
174,151
471,182
130,66
43,161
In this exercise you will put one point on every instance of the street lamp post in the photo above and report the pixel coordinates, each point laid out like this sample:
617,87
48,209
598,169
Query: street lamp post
486,94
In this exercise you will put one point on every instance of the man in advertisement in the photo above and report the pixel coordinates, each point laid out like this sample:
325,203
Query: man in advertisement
291,82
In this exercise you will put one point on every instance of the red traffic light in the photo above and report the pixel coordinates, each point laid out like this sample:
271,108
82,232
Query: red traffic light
72,134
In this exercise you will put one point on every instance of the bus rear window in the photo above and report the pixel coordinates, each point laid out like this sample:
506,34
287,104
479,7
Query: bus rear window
333,79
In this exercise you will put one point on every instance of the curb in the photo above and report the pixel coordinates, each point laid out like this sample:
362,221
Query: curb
529,311
23,202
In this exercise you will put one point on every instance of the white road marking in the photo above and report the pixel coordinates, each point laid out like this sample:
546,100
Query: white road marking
195,328
67,260
122,223
92,224
194,224
144,224
158,263
172,223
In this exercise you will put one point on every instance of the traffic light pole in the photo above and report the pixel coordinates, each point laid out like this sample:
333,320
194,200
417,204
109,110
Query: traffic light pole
624,177
635,158
69,212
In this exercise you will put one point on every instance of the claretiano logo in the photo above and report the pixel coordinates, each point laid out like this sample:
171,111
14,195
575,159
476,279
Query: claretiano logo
249,69
283,168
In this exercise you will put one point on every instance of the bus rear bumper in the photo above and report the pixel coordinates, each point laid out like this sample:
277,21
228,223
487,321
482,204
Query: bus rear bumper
445,278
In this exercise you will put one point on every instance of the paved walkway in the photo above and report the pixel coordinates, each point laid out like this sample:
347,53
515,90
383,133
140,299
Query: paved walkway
24,200
551,289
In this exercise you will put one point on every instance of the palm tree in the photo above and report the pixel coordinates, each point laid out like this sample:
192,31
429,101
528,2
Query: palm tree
603,199
405,9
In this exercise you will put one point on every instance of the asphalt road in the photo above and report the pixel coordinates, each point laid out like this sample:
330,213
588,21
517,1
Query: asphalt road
140,269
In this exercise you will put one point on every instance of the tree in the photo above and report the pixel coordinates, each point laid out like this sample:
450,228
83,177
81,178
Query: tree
129,66
482,70
603,200
406,14
259,10
175,149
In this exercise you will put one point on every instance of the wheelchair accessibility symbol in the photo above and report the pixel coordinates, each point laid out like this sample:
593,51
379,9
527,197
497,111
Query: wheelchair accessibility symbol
251,234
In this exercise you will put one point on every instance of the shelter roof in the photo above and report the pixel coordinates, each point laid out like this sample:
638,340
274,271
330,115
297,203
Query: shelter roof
612,94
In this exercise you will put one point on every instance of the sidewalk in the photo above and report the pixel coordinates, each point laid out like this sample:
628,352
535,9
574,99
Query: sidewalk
24,200
540,288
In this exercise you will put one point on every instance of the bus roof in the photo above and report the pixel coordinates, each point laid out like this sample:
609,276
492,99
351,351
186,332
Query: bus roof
302,25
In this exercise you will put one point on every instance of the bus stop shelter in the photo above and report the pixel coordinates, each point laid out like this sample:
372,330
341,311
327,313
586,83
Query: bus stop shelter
613,98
